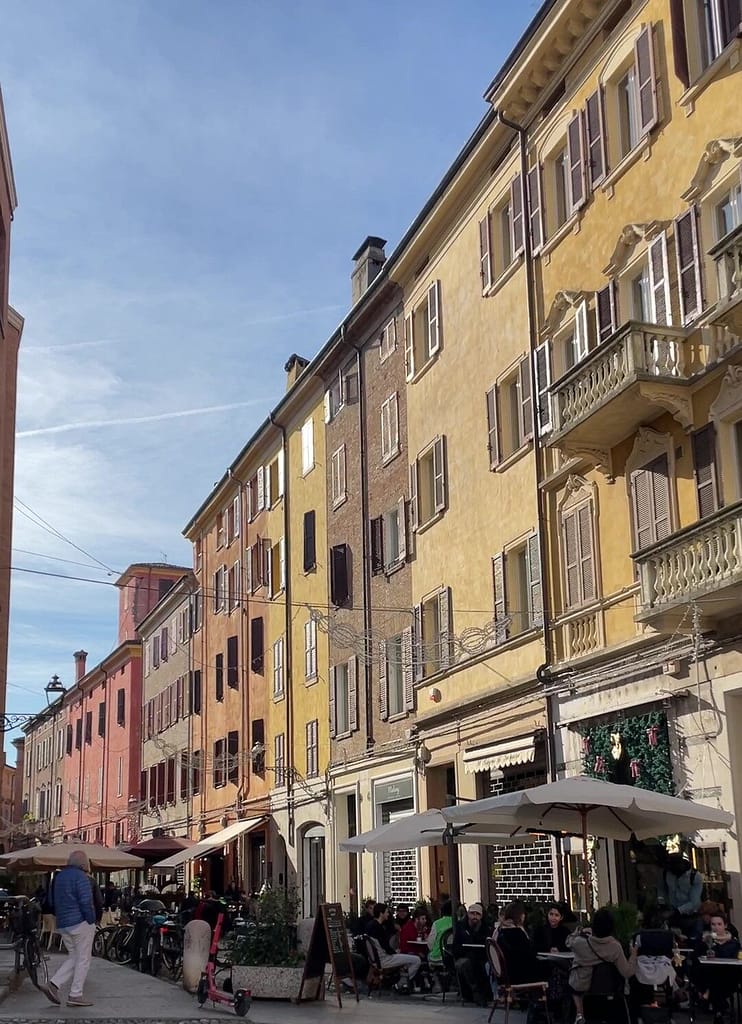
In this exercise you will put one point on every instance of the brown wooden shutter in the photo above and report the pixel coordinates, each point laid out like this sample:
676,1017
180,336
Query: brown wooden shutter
498,583
661,497
233,763
485,252
339,581
353,694
333,716
219,677
535,209
605,312
414,515
232,662
659,283
444,627
535,600
377,545
641,497
731,19
576,161
408,677
646,79
595,131
493,439
526,402
516,215
688,256
570,551
257,651
310,541
383,682
418,658
586,553
170,795
679,41
704,467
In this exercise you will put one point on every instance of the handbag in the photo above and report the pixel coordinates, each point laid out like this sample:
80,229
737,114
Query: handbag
606,980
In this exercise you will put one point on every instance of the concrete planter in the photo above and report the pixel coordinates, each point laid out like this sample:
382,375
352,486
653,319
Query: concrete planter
274,982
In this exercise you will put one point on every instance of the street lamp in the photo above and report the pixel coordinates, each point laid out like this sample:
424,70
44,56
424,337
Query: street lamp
54,687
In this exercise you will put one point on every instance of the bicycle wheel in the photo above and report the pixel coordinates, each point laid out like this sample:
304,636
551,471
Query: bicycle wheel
36,965
122,949
99,943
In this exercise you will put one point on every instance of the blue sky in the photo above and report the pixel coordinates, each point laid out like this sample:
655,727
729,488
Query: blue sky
193,180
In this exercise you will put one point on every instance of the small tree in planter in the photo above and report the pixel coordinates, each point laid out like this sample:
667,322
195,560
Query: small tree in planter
265,960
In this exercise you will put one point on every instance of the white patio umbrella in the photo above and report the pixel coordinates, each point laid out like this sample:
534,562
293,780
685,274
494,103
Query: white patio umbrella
583,806
56,855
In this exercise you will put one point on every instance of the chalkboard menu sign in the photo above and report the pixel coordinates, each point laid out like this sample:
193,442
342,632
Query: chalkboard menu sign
329,945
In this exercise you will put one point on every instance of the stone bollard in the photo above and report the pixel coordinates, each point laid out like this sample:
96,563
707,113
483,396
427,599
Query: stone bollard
196,943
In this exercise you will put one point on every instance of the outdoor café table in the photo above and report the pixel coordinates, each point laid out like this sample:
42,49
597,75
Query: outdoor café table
565,958
724,961
420,948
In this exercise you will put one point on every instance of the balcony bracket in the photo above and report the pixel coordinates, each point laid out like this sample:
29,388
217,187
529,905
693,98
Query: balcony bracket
599,457
678,404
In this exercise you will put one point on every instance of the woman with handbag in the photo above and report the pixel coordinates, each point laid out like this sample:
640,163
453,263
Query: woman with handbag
594,948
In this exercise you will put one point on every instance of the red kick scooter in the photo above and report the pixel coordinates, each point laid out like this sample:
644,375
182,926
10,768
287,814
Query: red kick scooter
207,989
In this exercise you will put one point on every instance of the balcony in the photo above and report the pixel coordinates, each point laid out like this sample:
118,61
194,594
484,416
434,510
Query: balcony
701,565
627,381
727,256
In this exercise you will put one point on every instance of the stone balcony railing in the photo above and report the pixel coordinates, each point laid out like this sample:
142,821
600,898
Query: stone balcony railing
727,255
701,564
637,358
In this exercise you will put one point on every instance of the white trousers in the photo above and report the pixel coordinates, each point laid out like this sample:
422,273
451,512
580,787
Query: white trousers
78,942
406,961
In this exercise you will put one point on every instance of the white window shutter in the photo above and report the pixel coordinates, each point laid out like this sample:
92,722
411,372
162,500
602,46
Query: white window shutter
282,560
414,517
586,546
237,511
269,497
659,280
409,346
333,717
248,570
394,423
353,694
385,445
542,367
408,676
418,658
595,131
576,161
261,488
646,79
280,473
173,634
268,566
402,529
439,474
383,683
445,627
535,601
516,216
485,253
434,317
328,408
582,336
688,255
498,583
493,437
526,402
535,209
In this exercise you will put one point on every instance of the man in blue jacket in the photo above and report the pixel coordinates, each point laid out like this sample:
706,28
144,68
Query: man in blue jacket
72,896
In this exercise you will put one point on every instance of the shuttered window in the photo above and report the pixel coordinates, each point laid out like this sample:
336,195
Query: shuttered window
310,541
121,707
233,757
219,677
542,366
646,79
650,499
578,556
605,312
659,283
102,718
704,467
485,253
257,652
377,545
576,162
232,662
195,701
339,574
595,131
493,444
535,209
516,216
688,257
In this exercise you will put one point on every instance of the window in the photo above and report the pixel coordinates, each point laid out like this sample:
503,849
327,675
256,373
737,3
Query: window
516,579
170,784
184,772
257,748
235,578
595,139
196,608
232,666
641,297
164,645
310,541
155,651
219,764
485,253
389,539
256,645
728,212
423,333
307,447
310,649
279,759
102,718
561,187
628,112
578,556
78,734
278,680
255,494
719,23
509,414
650,500
605,312
339,574
88,730
535,209
396,683
233,757
161,767
338,492
233,519
195,697
649,285
197,554
633,96
432,634
276,568
688,256
388,340
504,224
220,533
574,343
390,428
312,739
344,698
196,773
68,745
428,484
219,590
273,479
705,471
219,677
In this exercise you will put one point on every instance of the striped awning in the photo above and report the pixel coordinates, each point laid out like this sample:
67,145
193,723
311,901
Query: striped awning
521,750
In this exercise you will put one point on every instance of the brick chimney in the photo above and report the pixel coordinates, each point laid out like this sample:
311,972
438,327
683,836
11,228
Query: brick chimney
294,369
81,658
368,261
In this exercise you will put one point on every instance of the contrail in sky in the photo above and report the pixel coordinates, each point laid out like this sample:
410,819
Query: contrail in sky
62,428
66,347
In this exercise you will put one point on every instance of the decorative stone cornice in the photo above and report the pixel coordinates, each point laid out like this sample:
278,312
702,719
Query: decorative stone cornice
563,300
599,457
715,153
630,236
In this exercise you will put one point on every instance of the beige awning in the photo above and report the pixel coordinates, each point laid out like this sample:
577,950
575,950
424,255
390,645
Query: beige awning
208,845
521,750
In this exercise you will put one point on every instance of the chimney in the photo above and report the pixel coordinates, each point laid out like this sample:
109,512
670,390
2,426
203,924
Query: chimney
80,659
368,261
294,369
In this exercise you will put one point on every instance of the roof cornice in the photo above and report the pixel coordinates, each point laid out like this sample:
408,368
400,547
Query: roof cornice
7,166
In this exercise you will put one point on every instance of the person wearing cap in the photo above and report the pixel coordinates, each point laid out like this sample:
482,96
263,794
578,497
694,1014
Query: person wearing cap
72,896
470,954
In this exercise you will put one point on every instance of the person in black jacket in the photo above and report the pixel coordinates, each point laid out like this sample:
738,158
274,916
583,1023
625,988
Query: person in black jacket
519,952
552,936
470,955
408,963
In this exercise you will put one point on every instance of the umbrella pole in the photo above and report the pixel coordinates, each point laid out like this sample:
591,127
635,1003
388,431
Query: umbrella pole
586,866
453,874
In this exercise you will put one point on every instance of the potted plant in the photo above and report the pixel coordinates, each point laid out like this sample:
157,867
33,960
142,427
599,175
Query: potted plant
264,957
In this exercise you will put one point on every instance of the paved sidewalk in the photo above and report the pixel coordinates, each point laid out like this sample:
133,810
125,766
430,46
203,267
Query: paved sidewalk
123,995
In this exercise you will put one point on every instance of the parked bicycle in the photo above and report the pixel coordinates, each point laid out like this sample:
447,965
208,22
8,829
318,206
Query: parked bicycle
172,931
25,921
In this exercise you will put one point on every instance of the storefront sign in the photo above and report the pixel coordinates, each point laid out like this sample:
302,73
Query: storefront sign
390,792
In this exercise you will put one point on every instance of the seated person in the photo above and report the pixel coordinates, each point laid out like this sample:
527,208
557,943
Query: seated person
655,946
378,932
552,936
592,948
517,948
406,928
470,954
716,985
435,936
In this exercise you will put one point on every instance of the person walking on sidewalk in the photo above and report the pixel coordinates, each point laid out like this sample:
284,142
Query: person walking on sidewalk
72,896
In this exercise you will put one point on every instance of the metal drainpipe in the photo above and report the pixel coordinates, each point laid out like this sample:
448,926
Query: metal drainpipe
287,660
543,670
245,782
